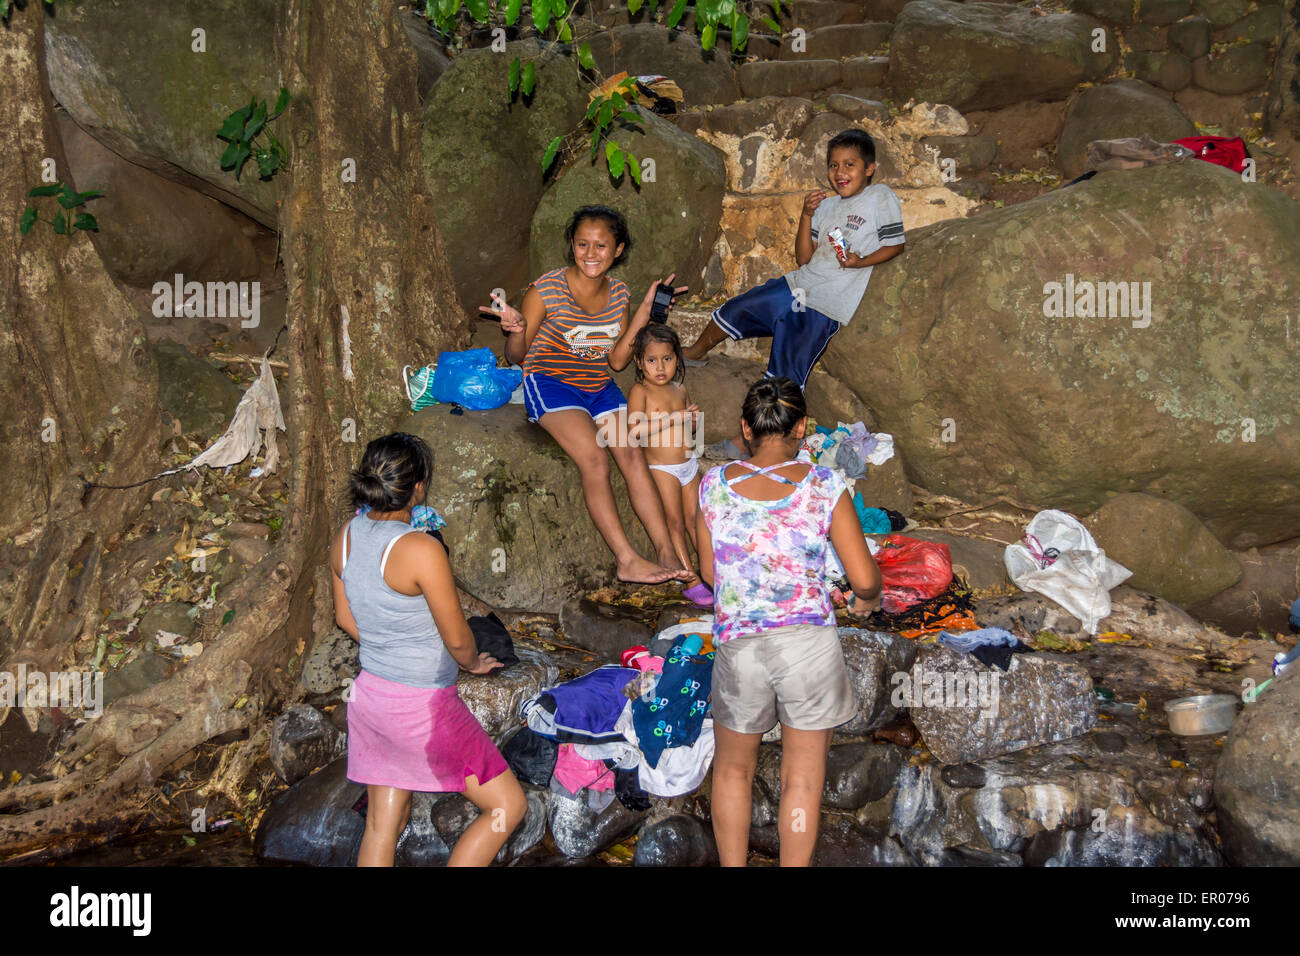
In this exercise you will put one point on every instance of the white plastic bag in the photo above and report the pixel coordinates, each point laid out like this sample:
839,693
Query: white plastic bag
1080,577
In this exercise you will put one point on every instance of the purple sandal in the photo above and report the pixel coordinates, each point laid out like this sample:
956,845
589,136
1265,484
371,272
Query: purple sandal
699,594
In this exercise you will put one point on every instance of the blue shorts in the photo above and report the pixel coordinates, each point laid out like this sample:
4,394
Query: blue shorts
798,337
543,393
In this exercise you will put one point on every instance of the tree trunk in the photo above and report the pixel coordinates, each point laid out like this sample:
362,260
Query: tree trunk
369,291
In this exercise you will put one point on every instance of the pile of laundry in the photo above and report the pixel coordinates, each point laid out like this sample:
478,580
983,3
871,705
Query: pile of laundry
625,731
849,449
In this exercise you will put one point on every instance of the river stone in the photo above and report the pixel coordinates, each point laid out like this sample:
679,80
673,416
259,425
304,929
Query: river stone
977,56
840,842
444,817
1169,71
858,774
1114,111
135,676
841,40
856,108
194,390
1257,784
580,832
303,740
494,698
471,113
1035,701
1130,837
815,14
1191,36
1264,25
249,550
1222,12
971,152
1161,12
874,658
1270,581
864,72
780,117
1171,554
332,661
170,616
787,77
678,840
151,228
1054,443
607,630
313,823
1145,39
127,75
1239,69
673,220
1112,11
705,77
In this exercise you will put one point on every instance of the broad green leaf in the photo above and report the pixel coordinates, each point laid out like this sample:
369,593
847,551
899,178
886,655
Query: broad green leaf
241,156
61,224
86,221
4,14
514,74
68,197
633,6
771,24
739,32
227,617
27,221
614,158
776,5
512,10
281,101
605,116
53,189
566,32
633,167
592,107
228,157
255,122
706,12
708,37
630,116
618,102
595,142
266,163
541,15
234,124
560,8
726,10
549,156
529,80
678,11
480,10
585,59
447,8
87,196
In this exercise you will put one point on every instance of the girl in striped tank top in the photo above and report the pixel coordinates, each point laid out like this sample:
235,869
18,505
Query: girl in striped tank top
574,328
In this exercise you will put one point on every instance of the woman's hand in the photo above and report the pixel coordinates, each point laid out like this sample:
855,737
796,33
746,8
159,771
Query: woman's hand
486,664
859,607
512,320
647,302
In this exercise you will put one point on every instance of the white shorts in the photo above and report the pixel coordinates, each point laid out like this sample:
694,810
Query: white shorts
684,473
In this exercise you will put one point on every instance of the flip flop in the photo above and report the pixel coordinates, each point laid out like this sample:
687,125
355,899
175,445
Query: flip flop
699,594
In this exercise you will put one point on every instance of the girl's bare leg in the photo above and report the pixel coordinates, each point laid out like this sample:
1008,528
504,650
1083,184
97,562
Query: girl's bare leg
645,497
691,508
735,758
575,432
670,492
387,811
502,805
803,773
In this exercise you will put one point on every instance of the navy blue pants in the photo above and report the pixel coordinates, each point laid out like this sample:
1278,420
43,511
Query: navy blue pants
799,337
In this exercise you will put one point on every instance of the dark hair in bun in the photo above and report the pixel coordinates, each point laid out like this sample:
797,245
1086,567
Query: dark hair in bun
389,471
773,406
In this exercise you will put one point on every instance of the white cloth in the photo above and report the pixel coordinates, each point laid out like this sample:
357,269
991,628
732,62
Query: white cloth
681,770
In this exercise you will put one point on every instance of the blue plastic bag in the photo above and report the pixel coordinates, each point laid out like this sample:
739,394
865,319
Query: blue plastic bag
472,379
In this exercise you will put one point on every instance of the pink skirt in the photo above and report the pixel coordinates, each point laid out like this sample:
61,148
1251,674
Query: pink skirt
416,738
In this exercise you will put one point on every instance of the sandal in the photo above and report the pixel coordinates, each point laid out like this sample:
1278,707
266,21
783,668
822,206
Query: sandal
699,594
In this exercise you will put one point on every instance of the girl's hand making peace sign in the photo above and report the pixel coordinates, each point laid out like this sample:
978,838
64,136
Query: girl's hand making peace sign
512,320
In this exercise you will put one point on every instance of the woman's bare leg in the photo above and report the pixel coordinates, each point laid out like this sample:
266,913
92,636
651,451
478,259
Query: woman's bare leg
502,805
387,811
803,774
575,432
735,758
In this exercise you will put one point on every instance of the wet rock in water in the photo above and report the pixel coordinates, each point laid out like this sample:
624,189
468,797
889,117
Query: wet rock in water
839,843
579,831
858,774
962,775
705,77
873,658
1170,552
1128,837
194,390
313,822
303,739
606,630
1108,741
332,661
494,698
1113,111
987,55
678,840
966,710
1257,783
975,856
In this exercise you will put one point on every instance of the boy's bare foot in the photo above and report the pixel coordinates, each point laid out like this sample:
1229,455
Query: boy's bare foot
638,570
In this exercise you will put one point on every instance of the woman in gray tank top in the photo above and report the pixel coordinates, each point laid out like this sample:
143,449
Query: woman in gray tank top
408,729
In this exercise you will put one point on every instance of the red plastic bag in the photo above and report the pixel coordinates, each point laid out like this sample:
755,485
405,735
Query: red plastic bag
1220,150
912,571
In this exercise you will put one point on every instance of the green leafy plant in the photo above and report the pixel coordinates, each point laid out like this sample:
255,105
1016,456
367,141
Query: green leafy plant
66,218
249,134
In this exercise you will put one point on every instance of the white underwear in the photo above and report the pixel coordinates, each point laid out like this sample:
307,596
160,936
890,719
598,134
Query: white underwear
684,472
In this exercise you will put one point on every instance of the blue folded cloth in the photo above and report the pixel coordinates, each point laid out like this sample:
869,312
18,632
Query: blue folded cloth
967,641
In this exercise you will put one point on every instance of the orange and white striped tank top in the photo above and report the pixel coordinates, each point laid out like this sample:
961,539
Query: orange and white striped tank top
570,344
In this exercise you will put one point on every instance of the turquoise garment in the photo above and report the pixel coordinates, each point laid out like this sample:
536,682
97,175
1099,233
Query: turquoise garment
873,520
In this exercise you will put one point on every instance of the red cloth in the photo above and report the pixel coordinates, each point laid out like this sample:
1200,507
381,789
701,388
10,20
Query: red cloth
1220,150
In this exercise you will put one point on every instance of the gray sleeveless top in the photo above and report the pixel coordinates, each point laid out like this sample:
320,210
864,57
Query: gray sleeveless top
399,641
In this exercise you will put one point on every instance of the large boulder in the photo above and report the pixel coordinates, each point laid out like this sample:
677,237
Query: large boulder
986,55
194,390
1171,554
1116,110
1270,581
673,219
1195,405
705,76
127,73
1257,784
482,159
151,228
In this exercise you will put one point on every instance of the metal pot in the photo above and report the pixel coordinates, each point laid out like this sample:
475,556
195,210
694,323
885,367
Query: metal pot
1205,714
